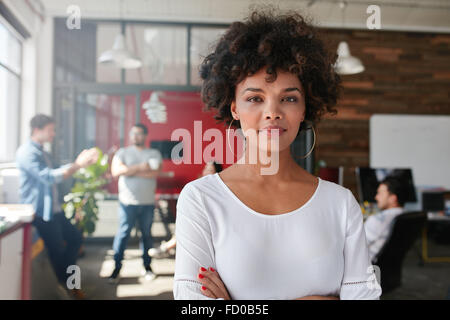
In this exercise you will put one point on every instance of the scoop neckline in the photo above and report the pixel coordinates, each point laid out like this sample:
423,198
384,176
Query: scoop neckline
265,215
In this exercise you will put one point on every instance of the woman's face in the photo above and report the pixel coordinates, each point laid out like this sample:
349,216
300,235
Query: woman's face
259,103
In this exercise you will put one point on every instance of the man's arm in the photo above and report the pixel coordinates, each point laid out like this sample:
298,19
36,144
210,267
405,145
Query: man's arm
149,174
49,176
70,169
83,160
118,168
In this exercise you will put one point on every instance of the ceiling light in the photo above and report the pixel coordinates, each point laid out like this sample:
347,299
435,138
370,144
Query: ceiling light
155,110
346,63
119,56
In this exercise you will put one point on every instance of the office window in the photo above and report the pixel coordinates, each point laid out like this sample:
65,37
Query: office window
163,50
106,34
203,40
10,71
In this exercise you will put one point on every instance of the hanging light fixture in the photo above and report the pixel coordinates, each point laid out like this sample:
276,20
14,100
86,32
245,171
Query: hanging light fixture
155,110
346,63
119,56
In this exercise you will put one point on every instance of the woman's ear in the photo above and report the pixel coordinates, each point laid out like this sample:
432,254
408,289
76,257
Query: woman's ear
233,110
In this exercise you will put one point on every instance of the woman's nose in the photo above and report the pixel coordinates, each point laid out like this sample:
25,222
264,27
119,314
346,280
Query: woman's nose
272,110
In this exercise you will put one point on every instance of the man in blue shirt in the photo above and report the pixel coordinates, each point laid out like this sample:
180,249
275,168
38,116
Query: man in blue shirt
38,180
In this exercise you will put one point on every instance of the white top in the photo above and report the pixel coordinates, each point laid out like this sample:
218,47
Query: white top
317,249
378,227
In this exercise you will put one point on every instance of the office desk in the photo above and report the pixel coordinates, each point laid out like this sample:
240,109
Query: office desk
15,251
435,218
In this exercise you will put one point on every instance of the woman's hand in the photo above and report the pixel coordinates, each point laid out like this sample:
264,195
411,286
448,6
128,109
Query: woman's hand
213,286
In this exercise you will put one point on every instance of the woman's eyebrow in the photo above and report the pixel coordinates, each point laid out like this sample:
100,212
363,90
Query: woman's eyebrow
261,90
292,89
254,90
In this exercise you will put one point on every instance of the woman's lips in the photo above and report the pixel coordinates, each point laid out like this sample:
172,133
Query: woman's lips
272,131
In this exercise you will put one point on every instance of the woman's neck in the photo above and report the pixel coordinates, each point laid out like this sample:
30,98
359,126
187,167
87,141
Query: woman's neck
281,167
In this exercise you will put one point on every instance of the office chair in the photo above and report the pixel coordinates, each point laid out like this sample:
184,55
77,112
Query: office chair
407,228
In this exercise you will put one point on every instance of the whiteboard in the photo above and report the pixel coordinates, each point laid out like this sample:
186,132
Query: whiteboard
419,142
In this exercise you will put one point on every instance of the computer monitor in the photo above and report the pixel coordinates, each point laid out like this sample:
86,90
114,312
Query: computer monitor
433,201
368,180
165,147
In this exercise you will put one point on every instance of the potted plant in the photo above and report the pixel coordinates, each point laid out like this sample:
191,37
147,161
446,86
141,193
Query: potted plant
80,204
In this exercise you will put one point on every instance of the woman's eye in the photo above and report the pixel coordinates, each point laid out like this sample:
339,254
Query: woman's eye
290,99
254,99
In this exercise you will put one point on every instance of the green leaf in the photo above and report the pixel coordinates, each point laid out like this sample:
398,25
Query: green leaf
85,193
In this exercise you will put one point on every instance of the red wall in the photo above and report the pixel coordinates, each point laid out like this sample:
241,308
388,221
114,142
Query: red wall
183,108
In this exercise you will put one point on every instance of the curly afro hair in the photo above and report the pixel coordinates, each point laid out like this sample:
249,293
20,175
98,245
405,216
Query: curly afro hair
278,42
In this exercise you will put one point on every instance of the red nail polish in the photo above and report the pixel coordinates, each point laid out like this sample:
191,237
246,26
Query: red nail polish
203,269
212,269
203,288
201,276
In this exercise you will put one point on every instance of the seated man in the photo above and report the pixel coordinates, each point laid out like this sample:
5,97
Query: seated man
390,198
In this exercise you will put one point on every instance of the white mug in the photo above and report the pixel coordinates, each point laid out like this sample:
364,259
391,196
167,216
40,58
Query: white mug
153,163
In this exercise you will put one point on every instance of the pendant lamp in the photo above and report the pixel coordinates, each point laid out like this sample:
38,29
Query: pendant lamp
346,63
155,109
119,56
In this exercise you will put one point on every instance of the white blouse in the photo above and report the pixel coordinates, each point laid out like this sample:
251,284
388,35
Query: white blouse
317,249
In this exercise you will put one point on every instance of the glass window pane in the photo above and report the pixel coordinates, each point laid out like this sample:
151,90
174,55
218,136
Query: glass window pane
102,122
163,51
65,113
129,117
74,52
9,115
11,50
106,34
202,43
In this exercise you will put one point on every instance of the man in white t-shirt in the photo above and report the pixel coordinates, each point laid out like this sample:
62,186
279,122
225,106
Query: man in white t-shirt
391,196
137,168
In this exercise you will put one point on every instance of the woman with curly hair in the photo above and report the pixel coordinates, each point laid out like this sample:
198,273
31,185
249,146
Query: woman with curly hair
287,235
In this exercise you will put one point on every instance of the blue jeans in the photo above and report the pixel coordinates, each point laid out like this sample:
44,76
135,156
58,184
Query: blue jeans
128,214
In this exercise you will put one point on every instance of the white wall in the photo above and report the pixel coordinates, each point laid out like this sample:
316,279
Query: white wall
411,15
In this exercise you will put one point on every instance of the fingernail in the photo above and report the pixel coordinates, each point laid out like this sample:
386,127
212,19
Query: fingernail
201,276
203,288
212,269
203,269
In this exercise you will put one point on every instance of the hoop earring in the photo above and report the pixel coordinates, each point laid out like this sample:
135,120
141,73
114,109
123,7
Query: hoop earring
228,139
314,144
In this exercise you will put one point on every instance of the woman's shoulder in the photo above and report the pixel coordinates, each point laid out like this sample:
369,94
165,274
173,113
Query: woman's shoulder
334,192
333,187
202,185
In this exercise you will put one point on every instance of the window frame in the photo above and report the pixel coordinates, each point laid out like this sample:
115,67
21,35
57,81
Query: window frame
18,36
